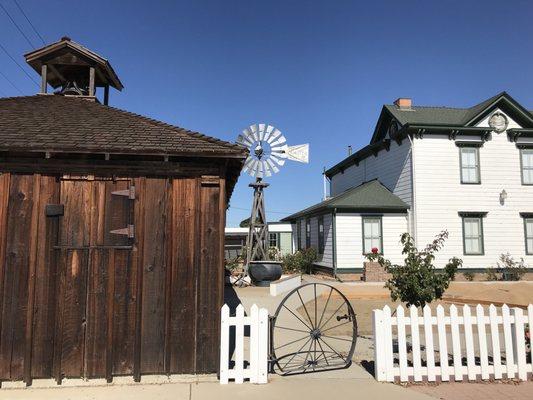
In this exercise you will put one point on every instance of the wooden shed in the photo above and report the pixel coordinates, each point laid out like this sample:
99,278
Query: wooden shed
111,232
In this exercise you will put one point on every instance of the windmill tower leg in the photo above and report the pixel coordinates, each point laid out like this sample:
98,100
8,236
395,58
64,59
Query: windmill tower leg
257,240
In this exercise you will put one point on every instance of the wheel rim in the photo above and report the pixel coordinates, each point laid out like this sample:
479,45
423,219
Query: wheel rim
314,335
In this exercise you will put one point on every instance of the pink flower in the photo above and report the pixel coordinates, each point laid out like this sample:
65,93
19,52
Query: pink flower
375,250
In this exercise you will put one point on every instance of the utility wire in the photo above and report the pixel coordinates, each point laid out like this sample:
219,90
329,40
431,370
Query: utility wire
16,25
9,80
20,66
29,22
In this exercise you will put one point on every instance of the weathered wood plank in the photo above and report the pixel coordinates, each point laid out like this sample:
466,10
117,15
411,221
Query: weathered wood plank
45,282
4,202
15,293
209,282
185,223
154,272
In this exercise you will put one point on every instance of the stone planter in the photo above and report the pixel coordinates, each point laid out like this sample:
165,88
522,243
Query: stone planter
374,272
264,272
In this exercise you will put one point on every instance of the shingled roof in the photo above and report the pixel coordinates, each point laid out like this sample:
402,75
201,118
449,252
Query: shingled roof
370,196
53,123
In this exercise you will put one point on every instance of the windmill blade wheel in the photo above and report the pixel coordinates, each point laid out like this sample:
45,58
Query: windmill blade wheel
314,329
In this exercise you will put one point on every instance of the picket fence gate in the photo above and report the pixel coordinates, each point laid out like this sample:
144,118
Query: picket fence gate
257,360
506,332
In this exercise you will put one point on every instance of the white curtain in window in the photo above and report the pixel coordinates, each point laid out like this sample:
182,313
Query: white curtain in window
527,166
469,165
372,234
472,233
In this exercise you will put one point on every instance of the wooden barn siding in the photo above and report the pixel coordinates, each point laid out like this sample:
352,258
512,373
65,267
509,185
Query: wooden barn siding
71,309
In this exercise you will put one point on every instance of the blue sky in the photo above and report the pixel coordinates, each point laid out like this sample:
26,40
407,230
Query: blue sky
317,70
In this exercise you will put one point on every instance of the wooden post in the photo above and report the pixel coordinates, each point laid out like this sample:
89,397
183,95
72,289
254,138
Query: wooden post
106,95
44,86
91,81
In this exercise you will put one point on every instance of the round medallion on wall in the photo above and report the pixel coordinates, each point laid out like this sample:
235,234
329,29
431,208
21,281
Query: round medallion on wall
498,122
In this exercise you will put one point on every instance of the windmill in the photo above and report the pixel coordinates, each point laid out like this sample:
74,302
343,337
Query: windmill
268,151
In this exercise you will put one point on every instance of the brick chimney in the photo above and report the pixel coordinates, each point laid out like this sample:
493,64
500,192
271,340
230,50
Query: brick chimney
403,103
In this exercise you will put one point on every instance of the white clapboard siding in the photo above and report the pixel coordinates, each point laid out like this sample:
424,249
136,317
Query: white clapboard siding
506,327
257,358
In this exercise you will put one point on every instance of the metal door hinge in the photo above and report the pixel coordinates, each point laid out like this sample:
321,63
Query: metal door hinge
129,231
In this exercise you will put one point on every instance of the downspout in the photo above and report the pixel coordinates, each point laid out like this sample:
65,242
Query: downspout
413,196
334,241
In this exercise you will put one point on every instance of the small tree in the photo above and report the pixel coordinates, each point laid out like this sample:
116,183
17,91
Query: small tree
417,282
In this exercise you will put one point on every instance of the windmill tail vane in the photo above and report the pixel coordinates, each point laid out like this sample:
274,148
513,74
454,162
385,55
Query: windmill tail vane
268,151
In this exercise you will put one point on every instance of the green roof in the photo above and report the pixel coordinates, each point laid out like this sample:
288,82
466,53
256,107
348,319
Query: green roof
370,196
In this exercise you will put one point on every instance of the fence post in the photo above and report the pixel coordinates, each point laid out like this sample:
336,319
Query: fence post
495,338
482,339
508,340
519,343
239,344
430,350
379,346
254,343
415,337
402,344
262,357
224,344
387,340
469,343
443,344
456,344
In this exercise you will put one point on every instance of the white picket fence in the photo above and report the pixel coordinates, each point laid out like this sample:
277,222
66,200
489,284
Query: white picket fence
257,357
493,344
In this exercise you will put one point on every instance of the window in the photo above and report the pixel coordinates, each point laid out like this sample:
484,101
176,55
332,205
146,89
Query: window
299,235
469,158
526,160
372,234
528,232
273,240
321,235
472,234
307,233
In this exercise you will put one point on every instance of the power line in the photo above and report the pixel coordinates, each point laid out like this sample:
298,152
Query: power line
9,80
29,22
20,66
16,25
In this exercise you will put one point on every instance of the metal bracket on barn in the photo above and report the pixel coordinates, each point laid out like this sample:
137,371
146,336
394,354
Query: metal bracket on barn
129,193
129,231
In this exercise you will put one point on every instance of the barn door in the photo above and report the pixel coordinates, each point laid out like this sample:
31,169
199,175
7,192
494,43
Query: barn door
95,303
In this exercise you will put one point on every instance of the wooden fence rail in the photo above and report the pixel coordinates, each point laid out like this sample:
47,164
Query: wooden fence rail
474,344
232,334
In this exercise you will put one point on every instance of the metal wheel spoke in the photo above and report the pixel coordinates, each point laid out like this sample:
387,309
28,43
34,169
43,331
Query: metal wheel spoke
332,349
335,326
290,329
326,306
331,316
300,349
286,344
337,338
315,306
321,349
305,308
299,319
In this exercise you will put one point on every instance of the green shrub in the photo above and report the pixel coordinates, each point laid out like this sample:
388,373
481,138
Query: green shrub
299,262
417,282
507,269
469,275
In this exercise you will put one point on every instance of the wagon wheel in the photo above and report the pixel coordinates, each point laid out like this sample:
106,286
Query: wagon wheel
314,329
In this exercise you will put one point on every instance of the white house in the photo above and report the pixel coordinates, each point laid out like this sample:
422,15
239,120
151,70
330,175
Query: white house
279,236
465,170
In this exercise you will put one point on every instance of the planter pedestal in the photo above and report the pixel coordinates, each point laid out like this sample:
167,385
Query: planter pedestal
374,272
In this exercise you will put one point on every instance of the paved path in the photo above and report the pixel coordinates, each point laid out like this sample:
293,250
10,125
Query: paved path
477,391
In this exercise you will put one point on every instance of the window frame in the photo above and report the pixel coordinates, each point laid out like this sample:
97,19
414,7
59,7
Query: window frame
522,168
480,217
276,234
321,244
299,234
307,233
380,219
527,218
477,166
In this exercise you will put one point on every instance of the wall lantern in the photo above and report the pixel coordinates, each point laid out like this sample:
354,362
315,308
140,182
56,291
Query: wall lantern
503,197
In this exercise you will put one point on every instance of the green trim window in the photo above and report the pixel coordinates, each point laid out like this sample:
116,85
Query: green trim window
528,233
372,234
299,235
273,240
307,233
321,235
526,162
473,235
469,160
